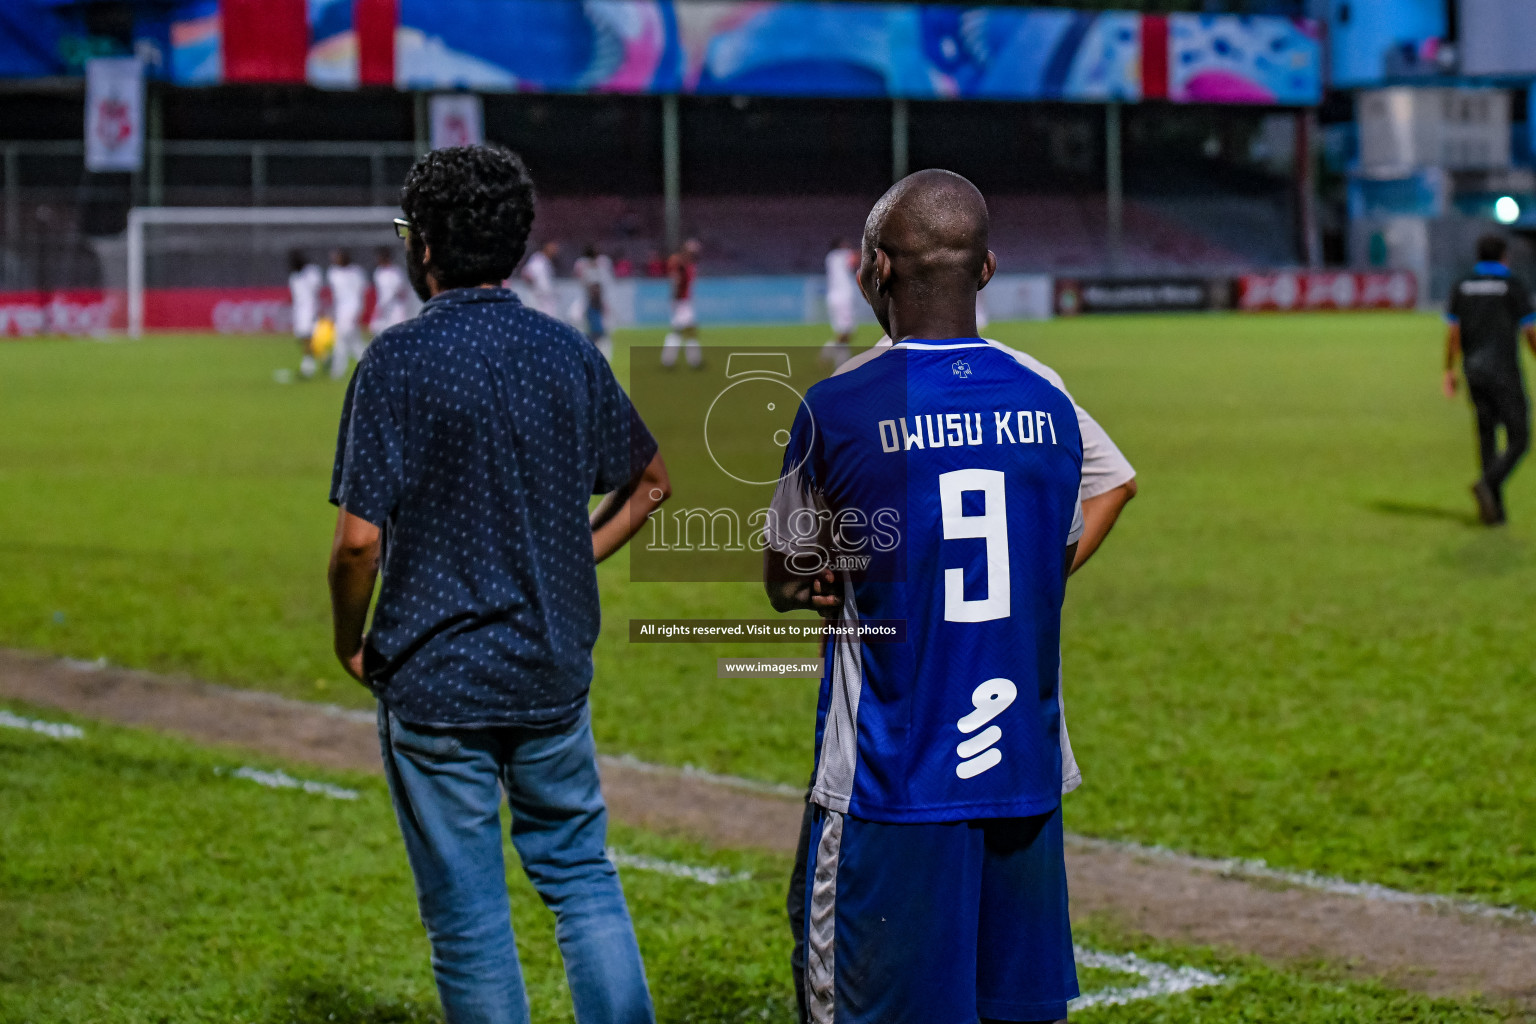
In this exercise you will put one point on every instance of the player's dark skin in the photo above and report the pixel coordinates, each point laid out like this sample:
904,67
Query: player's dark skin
923,260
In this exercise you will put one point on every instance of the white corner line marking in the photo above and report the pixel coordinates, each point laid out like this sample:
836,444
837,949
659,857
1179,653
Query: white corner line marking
53,730
1238,867
702,875
1161,979
282,780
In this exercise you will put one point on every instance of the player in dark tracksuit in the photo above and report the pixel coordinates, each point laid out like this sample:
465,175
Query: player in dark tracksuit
1488,312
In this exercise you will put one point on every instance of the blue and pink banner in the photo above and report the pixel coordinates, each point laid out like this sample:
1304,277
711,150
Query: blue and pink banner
737,47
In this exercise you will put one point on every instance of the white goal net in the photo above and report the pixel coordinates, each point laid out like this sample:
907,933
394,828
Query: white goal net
172,253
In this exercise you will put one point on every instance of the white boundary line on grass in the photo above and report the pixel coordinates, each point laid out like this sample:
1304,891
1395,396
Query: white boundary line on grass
688,771
1238,867
282,780
53,730
677,869
1235,867
1161,979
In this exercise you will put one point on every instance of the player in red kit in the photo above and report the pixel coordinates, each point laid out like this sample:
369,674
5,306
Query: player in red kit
683,269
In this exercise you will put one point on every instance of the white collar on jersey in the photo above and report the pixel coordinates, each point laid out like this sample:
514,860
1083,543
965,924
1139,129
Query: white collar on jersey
928,345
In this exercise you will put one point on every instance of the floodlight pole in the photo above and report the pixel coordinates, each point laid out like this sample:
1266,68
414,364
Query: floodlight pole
154,144
671,172
12,194
1308,241
900,139
419,123
135,273
1114,184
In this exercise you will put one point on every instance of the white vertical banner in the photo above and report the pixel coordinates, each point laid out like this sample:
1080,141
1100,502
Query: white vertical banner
457,120
114,114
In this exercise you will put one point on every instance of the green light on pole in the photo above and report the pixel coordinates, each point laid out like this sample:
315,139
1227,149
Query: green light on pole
1506,210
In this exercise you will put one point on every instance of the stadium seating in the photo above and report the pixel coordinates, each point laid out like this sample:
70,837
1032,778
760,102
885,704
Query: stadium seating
1062,234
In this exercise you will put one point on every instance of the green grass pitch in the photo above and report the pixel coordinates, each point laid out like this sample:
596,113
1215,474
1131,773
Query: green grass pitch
1297,645
142,881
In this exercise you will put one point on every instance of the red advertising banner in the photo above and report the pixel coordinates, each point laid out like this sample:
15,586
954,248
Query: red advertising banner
1330,289
84,312
222,310
76,311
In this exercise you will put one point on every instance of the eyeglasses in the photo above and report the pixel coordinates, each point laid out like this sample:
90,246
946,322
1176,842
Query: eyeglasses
402,229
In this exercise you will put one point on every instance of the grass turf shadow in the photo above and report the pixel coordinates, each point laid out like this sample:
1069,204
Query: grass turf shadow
1400,508
328,1001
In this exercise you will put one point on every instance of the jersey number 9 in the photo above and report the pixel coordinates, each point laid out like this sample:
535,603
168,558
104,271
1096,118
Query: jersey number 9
992,526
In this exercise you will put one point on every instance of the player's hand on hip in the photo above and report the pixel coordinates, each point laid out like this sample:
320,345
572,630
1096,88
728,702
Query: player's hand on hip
1449,384
826,595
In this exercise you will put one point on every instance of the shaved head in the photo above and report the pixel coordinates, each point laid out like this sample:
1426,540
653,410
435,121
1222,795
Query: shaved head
934,220
925,252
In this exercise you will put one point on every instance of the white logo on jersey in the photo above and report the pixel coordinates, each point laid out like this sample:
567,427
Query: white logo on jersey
961,368
978,753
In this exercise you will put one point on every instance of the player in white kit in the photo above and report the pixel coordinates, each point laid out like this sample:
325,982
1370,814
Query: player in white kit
539,272
842,293
349,293
305,280
391,293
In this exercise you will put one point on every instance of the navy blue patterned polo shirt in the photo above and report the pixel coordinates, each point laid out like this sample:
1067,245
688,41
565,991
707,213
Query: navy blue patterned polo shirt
475,435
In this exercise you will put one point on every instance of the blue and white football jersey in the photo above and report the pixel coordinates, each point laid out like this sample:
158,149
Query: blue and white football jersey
941,482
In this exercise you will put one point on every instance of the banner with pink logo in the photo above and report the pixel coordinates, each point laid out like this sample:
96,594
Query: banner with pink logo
114,114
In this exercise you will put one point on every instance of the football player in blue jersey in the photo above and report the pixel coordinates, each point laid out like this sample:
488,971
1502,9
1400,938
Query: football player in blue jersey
935,487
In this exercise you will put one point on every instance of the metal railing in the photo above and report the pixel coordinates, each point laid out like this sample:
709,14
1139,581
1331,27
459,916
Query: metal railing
52,211
149,185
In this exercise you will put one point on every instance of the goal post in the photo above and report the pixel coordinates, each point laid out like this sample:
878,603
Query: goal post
267,232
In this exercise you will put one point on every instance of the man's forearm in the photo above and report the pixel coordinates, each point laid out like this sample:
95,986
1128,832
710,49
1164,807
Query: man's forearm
1100,513
620,515
352,580
354,568
1452,346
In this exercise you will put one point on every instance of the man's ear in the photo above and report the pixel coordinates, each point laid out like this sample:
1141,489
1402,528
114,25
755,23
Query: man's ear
882,272
988,268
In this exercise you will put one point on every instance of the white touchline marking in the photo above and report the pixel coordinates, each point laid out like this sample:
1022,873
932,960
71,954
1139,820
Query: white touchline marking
282,780
53,730
1161,979
1238,867
706,876
633,763
1235,867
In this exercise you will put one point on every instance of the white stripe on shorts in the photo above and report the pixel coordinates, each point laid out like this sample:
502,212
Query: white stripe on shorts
821,924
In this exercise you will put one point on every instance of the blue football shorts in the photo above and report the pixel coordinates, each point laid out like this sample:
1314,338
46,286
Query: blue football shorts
937,923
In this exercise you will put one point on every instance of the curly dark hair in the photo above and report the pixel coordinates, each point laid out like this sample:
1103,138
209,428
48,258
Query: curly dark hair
473,206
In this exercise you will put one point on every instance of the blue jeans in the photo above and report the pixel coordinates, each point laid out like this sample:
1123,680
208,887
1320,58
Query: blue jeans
446,786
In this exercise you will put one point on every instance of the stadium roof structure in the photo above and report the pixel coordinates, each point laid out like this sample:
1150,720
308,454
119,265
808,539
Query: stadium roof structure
671,47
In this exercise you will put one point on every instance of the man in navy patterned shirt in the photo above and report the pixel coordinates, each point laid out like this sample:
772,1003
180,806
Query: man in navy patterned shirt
472,439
